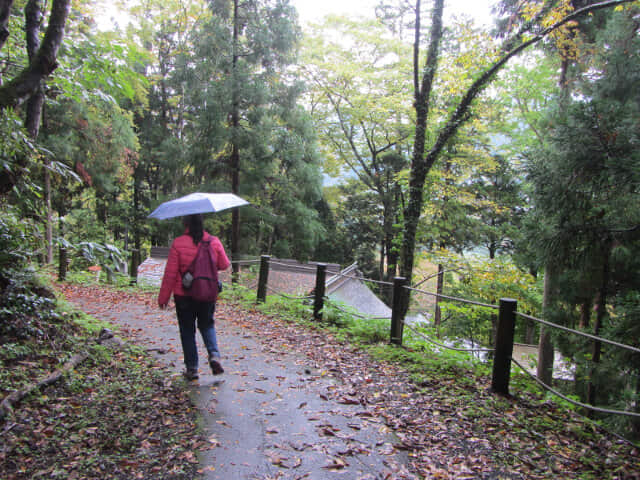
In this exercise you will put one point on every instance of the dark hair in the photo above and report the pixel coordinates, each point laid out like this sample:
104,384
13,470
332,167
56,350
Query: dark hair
194,224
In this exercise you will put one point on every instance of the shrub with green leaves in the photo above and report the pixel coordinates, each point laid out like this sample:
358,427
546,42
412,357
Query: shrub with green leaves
486,281
24,301
14,241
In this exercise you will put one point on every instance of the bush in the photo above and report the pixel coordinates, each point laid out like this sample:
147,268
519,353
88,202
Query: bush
26,305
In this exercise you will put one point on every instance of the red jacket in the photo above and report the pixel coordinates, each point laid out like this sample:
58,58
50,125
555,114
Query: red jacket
181,254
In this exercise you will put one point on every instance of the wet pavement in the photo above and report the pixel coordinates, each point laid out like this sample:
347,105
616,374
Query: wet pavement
273,413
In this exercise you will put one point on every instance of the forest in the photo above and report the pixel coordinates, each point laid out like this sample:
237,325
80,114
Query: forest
490,162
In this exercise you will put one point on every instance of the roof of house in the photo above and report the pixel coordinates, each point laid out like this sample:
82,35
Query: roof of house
349,288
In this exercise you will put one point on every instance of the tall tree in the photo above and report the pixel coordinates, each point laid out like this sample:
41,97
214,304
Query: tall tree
529,88
164,31
498,205
587,188
250,134
357,77
423,157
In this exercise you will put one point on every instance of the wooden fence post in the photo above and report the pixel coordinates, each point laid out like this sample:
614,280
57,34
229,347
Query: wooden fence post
318,304
504,346
262,279
397,322
135,262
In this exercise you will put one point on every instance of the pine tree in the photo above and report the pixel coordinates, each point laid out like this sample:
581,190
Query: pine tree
586,191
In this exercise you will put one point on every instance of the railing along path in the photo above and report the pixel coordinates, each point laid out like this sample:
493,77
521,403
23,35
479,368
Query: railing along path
503,348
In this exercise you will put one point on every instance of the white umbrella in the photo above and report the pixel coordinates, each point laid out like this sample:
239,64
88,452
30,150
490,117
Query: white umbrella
197,203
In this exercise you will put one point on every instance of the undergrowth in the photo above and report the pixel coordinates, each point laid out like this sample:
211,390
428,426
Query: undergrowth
116,415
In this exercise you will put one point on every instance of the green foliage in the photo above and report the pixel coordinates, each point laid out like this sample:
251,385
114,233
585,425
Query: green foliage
16,236
92,253
216,95
526,91
25,305
287,309
99,68
24,308
355,327
585,181
18,155
420,356
358,78
96,139
360,231
486,281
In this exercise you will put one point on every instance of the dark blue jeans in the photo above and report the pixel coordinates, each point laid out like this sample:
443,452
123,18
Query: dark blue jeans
188,311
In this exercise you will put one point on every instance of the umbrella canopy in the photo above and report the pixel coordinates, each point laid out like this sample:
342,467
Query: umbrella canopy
197,203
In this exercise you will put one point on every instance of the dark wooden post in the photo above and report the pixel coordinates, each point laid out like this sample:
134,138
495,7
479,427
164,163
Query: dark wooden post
262,279
135,262
318,304
397,321
504,346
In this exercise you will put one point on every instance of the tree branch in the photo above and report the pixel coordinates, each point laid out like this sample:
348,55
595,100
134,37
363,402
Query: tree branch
6,407
43,63
5,13
461,113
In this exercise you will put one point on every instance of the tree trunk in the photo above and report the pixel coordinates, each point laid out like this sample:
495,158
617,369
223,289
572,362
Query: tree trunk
235,154
600,315
49,213
585,314
381,274
5,13
392,251
32,22
530,333
62,252
43,61
419,165
35,107
545,345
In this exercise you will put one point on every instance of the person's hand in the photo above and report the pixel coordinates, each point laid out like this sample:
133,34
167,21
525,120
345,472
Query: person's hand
162,306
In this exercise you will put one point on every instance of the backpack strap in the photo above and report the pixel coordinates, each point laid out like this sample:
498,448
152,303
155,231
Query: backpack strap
191,265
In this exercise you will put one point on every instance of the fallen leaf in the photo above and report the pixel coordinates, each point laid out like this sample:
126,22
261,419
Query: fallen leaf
336,463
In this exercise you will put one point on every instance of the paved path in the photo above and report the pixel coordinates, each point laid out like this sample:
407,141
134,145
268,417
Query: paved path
272,414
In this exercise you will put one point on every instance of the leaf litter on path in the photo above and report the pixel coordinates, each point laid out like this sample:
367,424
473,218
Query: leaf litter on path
438,424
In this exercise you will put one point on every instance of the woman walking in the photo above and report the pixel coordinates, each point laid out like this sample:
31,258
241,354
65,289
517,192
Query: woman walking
183,251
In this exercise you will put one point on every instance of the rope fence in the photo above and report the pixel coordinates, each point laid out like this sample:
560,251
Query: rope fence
293,266
504,334
448,347
355,314
368,280
578,332
245,262
574,402
455,299
285,295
